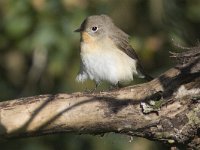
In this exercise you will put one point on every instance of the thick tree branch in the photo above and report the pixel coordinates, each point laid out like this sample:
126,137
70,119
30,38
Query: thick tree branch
175,121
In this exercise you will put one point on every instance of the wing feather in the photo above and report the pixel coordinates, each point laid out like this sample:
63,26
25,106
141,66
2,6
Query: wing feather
121,40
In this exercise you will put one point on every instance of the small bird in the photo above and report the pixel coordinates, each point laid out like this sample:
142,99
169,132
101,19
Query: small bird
106,54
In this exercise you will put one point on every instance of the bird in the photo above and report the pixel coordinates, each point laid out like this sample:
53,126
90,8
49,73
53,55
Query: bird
106,53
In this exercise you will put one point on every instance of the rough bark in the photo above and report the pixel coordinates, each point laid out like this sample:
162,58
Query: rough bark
127,111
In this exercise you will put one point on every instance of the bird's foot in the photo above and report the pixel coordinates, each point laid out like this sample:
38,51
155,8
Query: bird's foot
89,91
113,87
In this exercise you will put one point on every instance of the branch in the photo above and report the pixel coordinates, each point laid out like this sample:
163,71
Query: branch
175,121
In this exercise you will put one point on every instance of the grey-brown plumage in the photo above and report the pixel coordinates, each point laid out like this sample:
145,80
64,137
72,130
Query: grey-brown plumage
121,39
106,53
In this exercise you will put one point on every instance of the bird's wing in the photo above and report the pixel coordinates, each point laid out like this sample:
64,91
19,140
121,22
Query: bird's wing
121,40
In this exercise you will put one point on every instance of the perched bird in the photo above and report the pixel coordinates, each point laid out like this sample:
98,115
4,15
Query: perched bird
106,54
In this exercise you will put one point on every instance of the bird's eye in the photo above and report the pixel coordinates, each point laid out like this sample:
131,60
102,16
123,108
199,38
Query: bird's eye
94,29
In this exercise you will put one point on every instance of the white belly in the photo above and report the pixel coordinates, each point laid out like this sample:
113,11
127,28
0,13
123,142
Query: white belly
109,66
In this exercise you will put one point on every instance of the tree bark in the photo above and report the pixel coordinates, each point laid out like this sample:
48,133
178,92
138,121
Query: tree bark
166,109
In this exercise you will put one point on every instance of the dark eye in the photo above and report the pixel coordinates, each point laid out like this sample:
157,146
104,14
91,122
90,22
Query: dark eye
94,29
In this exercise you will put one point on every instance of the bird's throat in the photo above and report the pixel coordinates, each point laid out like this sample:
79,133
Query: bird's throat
85,37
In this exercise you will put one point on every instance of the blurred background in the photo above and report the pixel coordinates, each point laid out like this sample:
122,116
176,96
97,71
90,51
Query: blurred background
39,54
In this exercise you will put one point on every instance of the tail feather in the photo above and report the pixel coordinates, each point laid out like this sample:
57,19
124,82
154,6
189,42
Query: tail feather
143,74
148,77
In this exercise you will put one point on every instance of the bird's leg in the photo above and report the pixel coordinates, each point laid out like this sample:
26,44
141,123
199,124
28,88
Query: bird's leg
115,87
96,86
92,90
119,85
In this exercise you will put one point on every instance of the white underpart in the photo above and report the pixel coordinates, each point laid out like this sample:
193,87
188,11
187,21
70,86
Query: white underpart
106,65
82,76
182,91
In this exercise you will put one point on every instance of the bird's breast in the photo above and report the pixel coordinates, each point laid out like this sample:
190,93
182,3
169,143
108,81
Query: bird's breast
104,62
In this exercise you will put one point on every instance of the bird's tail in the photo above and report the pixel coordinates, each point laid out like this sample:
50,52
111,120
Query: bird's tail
148,77
143,74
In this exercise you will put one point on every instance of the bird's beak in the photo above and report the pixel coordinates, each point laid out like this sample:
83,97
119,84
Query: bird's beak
78,30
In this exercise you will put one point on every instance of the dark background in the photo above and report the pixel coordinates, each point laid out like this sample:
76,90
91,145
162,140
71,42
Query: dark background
39,54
